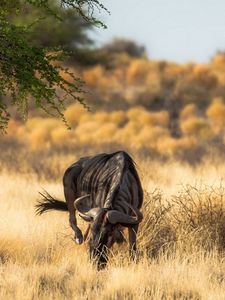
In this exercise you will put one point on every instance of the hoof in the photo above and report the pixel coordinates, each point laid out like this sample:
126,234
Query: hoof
78,240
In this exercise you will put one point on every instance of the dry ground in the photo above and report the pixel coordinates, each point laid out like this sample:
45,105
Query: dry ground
181,241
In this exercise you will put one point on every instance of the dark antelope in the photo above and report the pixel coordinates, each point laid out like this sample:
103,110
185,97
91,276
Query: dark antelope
106,191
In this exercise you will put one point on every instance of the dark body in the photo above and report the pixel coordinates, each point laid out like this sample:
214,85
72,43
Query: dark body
106,191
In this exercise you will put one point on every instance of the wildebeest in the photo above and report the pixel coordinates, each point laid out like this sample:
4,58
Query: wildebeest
106,191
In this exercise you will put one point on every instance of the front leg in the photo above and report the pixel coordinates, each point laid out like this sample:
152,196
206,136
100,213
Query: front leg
70,196
132,232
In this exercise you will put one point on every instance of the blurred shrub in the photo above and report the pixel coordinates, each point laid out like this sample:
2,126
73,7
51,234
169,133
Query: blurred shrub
137,103
39,138
101,117
137,71
105,133
93,76
219,59
144,117
134,114
216,113
136,128
86,132
170,146
118,117
74,113
153,82
195,126
127,134
149,137
61,136
188,111
121,45
204,76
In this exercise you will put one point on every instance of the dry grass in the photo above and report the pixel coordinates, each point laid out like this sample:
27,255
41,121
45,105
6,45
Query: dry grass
181,240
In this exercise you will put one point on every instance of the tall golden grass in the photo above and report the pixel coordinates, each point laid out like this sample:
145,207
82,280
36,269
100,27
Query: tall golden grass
181,239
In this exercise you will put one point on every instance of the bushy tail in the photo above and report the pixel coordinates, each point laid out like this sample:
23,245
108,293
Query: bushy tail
48,203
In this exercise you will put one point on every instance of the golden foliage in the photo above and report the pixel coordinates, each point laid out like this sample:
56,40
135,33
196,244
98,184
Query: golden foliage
149,136
160,118
93,76
118,117
144,117
200,69
134,113
195,126
86,132
219,59
153,81
137,71
170,146
101,117
188,111
61,136
216,112
145,81
39,138
137,102
105,133
74,112
127,134
135,128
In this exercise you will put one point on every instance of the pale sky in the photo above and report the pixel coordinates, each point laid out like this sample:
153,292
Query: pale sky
177,30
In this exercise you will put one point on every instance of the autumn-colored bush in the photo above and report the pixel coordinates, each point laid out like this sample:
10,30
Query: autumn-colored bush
93,76
188,111
158,106
219,59
105,133
136,128
149,137
216,113
137,71
74,112
144,117
61,136
196,126
118,117
154,84
39,138
86,132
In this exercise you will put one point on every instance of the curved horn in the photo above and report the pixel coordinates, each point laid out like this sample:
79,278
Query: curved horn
85,211
115,216
79,204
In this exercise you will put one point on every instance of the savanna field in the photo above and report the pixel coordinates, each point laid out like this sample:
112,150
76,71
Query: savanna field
171,119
